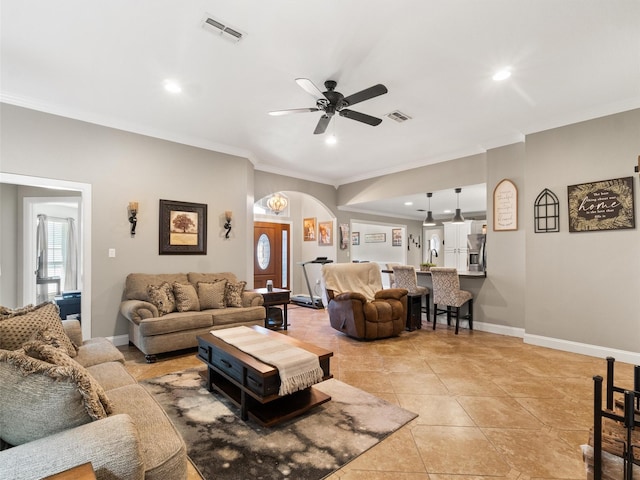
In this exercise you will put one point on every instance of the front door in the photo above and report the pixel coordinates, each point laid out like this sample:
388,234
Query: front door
271,254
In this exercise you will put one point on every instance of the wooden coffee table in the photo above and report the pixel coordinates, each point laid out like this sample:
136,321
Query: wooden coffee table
253,385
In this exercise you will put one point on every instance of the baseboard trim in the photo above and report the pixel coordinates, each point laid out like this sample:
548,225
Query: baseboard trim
488,327
119,340
583,348
499,329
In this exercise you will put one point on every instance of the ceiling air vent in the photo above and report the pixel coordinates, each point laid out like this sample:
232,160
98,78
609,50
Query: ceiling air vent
398,116
220,28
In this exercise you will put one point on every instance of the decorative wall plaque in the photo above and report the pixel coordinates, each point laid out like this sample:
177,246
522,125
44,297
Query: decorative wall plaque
546,212
603,205
505,206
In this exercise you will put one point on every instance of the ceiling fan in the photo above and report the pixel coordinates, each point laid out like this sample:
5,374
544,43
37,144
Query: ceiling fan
332,101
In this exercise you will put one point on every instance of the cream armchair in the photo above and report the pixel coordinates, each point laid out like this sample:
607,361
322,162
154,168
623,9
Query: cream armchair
357,304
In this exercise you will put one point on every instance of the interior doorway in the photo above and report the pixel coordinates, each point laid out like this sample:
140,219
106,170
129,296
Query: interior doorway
272,251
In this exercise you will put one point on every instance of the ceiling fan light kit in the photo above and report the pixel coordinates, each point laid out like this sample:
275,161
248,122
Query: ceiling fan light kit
331,102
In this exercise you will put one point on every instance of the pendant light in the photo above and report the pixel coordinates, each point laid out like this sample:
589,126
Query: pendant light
429,221
458,218
277,203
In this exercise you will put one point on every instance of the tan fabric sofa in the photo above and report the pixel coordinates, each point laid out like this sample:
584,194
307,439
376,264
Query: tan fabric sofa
153,332
43,414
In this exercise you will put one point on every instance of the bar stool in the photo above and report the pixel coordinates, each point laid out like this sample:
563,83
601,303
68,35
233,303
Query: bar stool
405,277
446,291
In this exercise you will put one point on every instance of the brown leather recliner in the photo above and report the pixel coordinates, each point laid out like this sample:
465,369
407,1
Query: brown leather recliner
357,304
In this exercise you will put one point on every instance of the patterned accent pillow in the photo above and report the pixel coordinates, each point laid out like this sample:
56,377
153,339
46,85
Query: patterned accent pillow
162,297
39,398
186,297
16,330
93,395
211,294
233,294
6,312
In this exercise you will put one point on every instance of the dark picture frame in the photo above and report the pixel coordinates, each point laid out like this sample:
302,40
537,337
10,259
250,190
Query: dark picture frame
602,205
183,228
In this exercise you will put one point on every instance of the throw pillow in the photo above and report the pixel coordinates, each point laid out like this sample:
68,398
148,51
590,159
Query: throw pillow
162,297
38,398
233,294
16,330
48,337
186,297
211,294
95,399
6,312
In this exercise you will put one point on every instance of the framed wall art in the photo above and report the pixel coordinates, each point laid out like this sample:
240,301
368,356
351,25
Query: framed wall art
309,229
183,228
396,237
603,205
325,233
344,236
355,238
375,237
505,206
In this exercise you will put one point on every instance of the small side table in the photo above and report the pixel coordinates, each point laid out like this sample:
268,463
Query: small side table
278,296
81,472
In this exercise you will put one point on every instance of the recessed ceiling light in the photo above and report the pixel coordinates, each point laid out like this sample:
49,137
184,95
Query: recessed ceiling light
447,211
172,86
331,140
502,74
408,204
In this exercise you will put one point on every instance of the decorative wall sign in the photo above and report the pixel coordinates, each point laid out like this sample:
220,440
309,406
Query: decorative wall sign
375,237
183,228
355,238
309,229
325,233
603,205
344,236
546,212
505,206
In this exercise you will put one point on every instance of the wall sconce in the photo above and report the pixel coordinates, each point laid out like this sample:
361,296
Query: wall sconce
277,203
133,217
227,225
458,218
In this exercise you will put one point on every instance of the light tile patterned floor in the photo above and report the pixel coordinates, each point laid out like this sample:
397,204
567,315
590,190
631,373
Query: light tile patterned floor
489,405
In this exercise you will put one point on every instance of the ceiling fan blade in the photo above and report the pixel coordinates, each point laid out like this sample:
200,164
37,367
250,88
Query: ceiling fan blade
366,94
276,113
322,125
360,117
309,87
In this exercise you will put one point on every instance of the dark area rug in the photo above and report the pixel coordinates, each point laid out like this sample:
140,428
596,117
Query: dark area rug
311,446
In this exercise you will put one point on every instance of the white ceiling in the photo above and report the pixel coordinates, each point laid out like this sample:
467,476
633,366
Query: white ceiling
105,62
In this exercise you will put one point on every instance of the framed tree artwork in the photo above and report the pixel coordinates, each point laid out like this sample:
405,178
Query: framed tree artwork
183,228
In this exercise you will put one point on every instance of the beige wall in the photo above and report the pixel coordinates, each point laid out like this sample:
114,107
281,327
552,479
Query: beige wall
124,167
559,286
583,287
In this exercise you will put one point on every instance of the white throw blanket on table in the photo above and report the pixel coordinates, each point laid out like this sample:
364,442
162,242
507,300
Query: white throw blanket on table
297,367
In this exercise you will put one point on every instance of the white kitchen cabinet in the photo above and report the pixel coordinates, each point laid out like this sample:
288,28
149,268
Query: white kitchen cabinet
456,252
